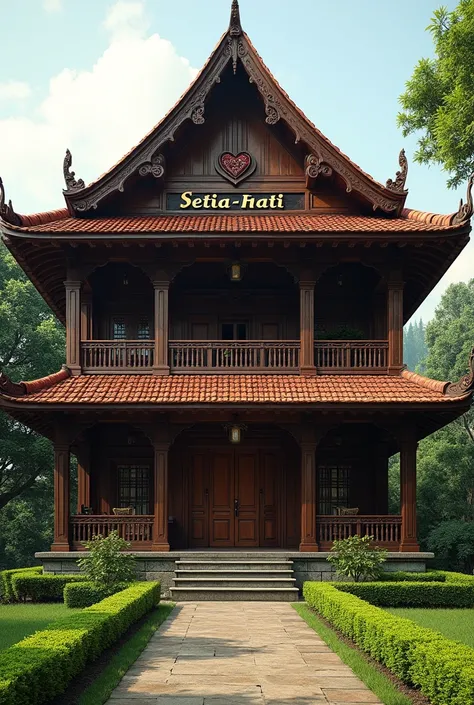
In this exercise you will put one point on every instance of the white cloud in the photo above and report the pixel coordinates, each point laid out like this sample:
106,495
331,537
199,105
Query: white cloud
52,5
14,90
98,114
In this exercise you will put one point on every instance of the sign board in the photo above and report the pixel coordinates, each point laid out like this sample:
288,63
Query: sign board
199,202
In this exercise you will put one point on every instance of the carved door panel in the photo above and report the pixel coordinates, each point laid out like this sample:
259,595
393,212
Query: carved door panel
246,499
221,499
198,479
199,331
269,498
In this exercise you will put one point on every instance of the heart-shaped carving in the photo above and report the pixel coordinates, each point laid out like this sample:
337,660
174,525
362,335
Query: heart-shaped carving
235,167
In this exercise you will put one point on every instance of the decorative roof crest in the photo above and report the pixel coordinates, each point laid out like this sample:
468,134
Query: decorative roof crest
465,210
9,388
466,383
72,184
235,26
398,184
6,210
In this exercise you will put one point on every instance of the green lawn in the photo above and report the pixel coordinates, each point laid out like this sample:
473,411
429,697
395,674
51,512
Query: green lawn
457,624
18,621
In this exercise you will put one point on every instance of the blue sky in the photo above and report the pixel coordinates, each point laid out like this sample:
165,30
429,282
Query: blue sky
95,76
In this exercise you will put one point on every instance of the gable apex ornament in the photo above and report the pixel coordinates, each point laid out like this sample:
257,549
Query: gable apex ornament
398,184
466,383
465,210
72,184
235,26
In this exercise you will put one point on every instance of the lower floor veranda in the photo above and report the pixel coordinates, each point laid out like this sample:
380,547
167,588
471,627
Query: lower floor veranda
229,485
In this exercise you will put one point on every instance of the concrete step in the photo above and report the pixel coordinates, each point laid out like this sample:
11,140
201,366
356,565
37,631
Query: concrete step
232,565
240,573
254,582
229,594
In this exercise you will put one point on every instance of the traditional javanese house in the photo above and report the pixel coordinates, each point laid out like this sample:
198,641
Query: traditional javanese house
234,292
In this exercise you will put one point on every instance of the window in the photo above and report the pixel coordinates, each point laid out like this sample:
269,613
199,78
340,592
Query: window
119,329
143,330
134,487
234,331
333,488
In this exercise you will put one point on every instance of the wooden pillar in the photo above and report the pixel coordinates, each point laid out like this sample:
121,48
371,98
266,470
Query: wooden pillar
62,462
86,317
160,524
83,477
395,323
73,326
161,364
307,327
309,496
408,448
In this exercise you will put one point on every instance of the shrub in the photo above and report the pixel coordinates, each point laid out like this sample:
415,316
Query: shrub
107,565
41,666
399,576
457,577
85,594
42,588
442,669
412,594
357,557
6,589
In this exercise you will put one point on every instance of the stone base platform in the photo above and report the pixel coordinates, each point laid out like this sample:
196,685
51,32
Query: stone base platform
162,566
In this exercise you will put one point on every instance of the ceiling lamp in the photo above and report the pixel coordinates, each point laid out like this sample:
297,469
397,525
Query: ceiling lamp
235,432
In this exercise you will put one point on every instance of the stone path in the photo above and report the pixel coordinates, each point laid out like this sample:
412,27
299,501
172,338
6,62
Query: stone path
238,653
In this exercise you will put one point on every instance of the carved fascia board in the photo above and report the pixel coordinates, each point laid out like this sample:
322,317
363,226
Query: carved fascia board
465,384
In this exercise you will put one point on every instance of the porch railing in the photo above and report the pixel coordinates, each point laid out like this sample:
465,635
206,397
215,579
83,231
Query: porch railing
190,356
117,355
350,355
137,530
386,530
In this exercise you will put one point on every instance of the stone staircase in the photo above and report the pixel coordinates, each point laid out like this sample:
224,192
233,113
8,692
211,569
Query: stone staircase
234,577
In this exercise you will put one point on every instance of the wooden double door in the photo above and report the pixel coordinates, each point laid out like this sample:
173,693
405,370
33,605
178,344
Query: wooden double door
234,498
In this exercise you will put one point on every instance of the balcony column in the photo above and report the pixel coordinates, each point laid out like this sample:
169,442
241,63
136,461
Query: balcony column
62,466
309,496
307,326
83,477
161,364
395,323
160,523
408,448
73,326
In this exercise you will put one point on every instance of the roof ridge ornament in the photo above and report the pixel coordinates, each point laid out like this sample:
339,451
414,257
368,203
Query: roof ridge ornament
235,26
6,210
466,383
72,184
9,388
465,210
398,184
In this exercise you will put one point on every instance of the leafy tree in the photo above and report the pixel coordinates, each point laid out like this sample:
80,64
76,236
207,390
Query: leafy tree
414,346
453,542
107,566
357,558
439,98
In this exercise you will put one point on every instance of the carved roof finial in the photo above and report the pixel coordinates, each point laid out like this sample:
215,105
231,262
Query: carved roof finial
9,388
466,383
398,184
235,27
6,209
465,210
69,176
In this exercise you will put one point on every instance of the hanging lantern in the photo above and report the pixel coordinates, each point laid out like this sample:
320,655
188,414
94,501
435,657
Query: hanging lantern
236,272
235,432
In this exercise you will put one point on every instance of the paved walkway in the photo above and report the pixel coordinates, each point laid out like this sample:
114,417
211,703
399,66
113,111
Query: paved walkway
238,653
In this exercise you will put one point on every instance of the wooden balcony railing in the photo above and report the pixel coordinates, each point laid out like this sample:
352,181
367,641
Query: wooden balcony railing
351,355
117,355
386,530
190,356
137,530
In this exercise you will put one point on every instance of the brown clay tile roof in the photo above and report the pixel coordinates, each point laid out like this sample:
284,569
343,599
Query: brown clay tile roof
234,389
425,381
38,385
303,223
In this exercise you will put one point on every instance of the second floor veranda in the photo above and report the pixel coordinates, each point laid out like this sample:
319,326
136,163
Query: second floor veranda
238,318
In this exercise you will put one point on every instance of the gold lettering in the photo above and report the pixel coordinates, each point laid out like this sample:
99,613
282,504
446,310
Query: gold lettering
262,203
248,201
207,201
186,198
224,203
280,201
197,203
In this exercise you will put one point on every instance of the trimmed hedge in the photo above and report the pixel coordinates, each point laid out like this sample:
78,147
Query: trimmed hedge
441,668
457,577
42,588
398,576
411,594
6,589
41,666
86,594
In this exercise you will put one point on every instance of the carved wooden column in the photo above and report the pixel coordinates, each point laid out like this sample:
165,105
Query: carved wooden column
161,364
309,496
408,448
73,326
395,323
86,316
160,524
62,462
307,326
83,477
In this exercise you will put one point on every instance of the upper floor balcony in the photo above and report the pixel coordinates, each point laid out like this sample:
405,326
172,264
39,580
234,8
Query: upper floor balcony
265,322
